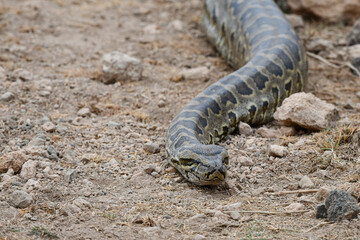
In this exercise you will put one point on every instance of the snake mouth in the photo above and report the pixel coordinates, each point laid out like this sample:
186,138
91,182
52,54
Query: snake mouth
215,177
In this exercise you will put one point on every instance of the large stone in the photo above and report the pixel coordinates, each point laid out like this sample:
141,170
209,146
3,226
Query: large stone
20,199
329,10
13,160
341,205
307,111
29,169
120,67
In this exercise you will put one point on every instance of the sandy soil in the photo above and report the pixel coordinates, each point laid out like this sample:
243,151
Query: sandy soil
90,178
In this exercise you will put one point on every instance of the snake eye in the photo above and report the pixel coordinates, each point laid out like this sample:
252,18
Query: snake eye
186,161
226,160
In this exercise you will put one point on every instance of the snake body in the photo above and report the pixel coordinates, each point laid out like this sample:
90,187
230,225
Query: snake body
255,38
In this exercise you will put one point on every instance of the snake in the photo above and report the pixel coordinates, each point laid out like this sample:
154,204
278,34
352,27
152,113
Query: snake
256,39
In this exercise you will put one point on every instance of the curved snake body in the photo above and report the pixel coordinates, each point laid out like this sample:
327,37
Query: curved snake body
255,38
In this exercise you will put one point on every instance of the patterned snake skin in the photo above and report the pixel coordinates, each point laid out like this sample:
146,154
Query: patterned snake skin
255,38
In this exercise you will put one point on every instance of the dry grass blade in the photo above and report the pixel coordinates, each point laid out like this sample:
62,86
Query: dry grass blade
332,139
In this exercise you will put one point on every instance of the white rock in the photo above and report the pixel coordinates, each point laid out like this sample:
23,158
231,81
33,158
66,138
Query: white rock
306,182
6,97
295,20
22,74
49,127
120,67
151,147
177,25
245,129
245,161
6,181
294,207
235,215
149,168
20,199
277,151
84,112
28,170
199,237
307,111
199,73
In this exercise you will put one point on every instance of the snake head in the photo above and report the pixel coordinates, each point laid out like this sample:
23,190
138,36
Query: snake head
202,164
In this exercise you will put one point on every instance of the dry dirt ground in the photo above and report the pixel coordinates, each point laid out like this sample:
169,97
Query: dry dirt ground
90,180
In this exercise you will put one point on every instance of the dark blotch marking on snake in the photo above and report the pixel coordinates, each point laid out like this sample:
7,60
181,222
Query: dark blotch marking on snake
241,87
225,96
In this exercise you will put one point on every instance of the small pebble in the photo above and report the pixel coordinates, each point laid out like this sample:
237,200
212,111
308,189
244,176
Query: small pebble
151,147
70,175
277,151
20,199
28,170
22,74
6,97
44,93
306,182
114,124
295,20
84,112
235,215
53,153
245,129
245,161
199,237
149,168
199,73
49,127
294,207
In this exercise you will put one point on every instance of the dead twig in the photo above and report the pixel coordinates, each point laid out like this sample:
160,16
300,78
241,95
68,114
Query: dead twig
273,213
334,63
346,64
316,226
293,192
322,59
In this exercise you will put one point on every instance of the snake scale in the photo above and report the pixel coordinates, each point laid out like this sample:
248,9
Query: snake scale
254,37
